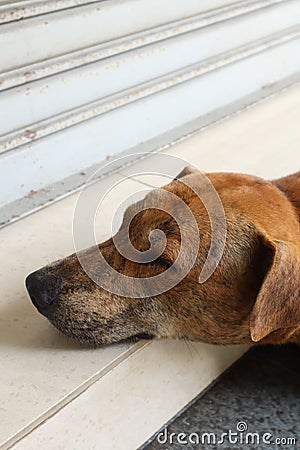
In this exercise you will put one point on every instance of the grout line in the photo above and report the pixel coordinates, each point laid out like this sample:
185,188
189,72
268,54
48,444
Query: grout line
134,349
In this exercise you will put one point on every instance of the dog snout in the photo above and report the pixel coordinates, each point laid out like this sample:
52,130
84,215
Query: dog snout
42,289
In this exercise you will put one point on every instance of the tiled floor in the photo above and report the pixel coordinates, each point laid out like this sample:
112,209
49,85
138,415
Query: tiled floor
259,395
100,398
40,367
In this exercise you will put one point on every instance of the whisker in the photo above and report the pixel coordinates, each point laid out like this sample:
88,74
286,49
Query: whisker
188,346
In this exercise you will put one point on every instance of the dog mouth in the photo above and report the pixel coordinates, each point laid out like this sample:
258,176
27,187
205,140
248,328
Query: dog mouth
91,338
139,336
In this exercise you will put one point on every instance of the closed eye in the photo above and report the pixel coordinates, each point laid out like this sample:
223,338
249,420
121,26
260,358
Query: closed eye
164,262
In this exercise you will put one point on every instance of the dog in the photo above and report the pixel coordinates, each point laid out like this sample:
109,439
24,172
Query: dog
253,296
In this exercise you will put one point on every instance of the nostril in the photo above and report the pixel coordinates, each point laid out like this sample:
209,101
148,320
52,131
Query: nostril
39,290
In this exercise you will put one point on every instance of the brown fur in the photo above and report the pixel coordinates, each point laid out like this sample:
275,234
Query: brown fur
253,295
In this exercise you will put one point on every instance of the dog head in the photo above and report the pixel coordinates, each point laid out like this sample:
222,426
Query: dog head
252,296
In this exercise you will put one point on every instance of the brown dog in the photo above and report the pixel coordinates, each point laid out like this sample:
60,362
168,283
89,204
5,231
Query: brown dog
253,295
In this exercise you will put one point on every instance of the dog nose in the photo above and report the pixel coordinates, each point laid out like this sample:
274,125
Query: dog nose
41,290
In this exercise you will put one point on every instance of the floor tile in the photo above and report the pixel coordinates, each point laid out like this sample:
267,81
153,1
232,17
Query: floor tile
40,367
129,403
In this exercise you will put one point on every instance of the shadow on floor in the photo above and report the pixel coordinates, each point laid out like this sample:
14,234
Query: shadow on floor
259,393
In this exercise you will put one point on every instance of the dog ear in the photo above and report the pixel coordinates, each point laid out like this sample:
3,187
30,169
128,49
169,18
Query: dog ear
186,171
277,305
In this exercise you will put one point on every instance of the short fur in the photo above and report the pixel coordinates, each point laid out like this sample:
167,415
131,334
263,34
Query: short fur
253,295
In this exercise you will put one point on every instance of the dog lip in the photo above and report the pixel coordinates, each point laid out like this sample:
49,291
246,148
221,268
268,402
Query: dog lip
136,337
145,336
